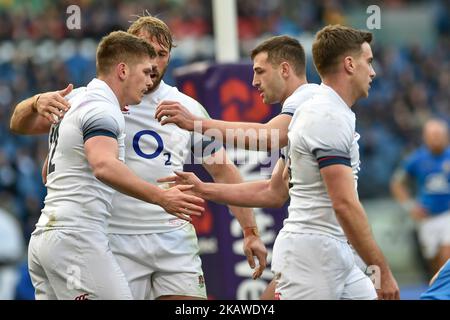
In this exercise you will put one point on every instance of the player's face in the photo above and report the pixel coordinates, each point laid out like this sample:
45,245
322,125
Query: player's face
139,80
364,72
267,79
162,59
435,136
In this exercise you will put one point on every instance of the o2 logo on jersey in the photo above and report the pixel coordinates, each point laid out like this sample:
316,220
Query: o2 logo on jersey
157,152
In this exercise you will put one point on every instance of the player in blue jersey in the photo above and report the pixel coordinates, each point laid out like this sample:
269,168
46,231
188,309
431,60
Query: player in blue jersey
439,286
429,168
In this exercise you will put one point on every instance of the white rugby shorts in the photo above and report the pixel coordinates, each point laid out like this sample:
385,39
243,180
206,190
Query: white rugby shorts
433,233
317,267
161,264
75,265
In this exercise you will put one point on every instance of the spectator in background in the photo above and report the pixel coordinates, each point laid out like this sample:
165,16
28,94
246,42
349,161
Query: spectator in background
429,168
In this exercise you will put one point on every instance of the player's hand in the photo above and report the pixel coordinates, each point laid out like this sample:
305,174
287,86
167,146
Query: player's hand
388,287
52,105
253,246
175,113
418,213
185,178
176,202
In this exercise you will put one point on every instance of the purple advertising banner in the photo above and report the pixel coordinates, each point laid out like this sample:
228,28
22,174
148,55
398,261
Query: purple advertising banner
226,92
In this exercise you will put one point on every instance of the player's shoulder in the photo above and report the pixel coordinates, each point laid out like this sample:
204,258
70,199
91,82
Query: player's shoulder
421,153
92,92
320,116
75,92
190,103
305,91
299,96
95,104
417,155
323,107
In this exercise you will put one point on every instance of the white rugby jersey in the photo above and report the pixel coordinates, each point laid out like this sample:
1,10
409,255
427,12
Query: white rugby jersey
75,198
295,100
321,133
153,151
298,97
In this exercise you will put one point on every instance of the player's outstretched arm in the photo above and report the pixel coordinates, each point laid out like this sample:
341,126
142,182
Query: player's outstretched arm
101,152
339,181
35,115
272,193
222,170
268,135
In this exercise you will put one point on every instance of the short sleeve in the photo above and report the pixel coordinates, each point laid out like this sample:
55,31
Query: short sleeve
329,139
97,121
289,107
300,96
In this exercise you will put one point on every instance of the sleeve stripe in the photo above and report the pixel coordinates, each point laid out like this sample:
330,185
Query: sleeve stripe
331,160
287,112
101,132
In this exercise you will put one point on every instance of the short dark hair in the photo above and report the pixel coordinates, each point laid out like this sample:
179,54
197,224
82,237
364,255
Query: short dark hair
334,41
283,48
120,46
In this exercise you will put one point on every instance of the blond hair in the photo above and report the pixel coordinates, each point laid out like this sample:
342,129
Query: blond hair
154,27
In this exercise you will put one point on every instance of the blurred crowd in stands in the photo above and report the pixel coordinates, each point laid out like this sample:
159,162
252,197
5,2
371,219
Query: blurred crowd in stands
38,53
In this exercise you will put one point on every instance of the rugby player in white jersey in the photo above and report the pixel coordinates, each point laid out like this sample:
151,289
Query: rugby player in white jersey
145,244
312,258
139,232
69,254
279,74
279,65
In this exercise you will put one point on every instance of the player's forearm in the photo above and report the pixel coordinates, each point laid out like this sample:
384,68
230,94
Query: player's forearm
256,194
248,135
117,175
26,120
229,174
244,216
354,222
